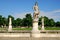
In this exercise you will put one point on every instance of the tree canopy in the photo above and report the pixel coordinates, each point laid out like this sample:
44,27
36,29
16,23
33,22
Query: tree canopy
27,21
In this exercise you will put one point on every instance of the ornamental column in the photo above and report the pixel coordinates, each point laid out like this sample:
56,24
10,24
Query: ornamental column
42,23
10,25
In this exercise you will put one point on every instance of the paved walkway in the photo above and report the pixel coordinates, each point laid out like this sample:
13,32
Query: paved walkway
27,38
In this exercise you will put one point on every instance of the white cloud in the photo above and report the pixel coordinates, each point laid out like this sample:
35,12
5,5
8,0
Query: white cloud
51,14
20,15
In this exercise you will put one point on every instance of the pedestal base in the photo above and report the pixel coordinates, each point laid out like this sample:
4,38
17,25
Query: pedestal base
35,31
10,28
42,28
36,35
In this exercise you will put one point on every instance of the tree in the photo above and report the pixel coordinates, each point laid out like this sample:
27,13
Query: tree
39,23
1,20
4,21
24,22
27,21
9,16
51,22
18,22
46,21
57,23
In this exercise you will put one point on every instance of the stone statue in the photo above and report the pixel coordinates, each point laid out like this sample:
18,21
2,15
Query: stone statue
10,25
36,11
35,30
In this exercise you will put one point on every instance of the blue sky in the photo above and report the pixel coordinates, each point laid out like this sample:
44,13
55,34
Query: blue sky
18,8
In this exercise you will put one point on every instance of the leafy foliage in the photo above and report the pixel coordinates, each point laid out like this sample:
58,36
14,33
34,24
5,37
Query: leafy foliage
27,21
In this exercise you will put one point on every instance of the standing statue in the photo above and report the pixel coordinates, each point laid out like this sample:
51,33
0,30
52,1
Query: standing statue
36,11
35,30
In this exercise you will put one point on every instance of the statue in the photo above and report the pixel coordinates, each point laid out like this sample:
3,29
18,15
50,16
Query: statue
35,30
36,11
10,25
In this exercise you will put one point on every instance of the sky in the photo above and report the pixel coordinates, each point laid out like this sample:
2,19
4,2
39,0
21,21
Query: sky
19,8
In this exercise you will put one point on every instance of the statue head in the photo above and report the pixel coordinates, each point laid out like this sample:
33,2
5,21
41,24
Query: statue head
36,7
36,4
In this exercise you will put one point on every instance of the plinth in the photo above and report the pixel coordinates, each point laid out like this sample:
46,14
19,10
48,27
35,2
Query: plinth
10,28
35,31
10,25
42,23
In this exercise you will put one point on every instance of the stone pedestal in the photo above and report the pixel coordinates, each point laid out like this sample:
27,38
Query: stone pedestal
10,25
42,23
2,26
35,31
36,35
10,28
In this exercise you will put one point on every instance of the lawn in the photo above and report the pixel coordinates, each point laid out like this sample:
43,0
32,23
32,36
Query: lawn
46,28
2,28
52,28
22,28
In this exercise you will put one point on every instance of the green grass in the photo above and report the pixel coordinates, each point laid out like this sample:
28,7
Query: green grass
52,28
46,28
2,28
22,28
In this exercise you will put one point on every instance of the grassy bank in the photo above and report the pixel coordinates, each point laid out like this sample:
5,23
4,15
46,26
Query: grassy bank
2,28
46,28
22,28
52,28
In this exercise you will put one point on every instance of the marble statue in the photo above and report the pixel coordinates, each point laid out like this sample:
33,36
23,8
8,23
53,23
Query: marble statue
35,31
10,25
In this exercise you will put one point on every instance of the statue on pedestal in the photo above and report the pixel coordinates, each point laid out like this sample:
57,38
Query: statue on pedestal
35,30
36,12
